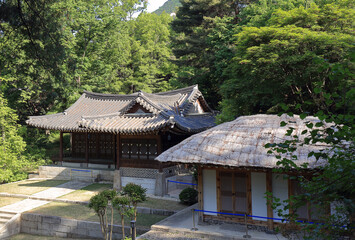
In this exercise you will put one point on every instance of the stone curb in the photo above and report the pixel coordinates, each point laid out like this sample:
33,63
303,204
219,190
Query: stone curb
145,210
198,234
41,198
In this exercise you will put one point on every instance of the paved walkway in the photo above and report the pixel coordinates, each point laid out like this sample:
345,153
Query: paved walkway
51,193
178,227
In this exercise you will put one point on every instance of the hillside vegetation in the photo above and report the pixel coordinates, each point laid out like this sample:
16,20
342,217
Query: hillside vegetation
169,6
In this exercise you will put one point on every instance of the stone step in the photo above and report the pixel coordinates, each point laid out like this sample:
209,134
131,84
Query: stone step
5,215
33,175
3,221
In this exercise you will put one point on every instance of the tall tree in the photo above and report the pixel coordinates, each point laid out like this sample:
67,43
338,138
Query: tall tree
284,61
150,60
195,57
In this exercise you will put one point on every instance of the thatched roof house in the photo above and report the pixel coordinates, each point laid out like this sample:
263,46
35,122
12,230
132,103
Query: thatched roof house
235,170
241,143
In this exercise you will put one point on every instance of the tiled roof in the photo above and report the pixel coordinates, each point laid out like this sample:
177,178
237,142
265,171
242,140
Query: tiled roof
110,113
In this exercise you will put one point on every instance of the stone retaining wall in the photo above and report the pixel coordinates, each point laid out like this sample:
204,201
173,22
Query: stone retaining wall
67,173
68,228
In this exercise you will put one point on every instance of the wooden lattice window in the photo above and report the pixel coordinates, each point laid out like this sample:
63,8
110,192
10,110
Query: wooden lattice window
139,149
78,145
233,191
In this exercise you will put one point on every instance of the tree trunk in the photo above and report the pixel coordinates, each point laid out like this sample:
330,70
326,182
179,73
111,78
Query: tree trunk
122,224
111,222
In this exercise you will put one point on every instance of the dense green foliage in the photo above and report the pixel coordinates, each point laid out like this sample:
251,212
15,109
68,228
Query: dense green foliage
284,61
14,162
188,196
53,50
332,185
195,53
169,6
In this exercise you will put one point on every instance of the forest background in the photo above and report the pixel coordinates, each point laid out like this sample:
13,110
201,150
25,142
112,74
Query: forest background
248,57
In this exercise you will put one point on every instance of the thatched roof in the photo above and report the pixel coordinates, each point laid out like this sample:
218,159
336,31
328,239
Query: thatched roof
240,143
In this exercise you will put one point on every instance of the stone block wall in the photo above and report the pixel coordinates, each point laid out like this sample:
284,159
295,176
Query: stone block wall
67,173
67,228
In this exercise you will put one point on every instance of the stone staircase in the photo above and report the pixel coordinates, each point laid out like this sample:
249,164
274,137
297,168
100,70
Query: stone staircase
9,224
5,217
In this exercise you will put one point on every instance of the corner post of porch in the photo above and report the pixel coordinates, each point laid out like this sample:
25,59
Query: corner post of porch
200,192
160,180
86,164
61,148
270,214
117,181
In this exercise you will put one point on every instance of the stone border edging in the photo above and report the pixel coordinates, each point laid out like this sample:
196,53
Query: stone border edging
42,198
145,210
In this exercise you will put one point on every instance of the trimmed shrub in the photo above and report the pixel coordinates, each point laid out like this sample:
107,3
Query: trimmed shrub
188,196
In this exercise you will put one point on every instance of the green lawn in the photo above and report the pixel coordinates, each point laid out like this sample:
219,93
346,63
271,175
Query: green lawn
81,212
30,187
162,204
86,193
4,201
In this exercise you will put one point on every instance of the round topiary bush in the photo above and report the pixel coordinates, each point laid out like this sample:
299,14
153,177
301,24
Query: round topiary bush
188,196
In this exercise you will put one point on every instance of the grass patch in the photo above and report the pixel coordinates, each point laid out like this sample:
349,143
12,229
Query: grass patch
162,204
87,192
30,187
81,212
24,236
4,201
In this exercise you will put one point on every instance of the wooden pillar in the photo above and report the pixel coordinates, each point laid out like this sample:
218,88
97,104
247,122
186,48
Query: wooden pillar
118,150
270,213
61,148
249,207
200,191
87,148
159,152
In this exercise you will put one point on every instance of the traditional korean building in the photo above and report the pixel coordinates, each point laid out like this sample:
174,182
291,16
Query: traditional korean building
127,132
235,170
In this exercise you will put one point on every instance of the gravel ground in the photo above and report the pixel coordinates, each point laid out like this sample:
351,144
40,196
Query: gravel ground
159,235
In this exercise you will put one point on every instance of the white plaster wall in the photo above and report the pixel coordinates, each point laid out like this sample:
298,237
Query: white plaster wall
147,183
280,190
69,164
337,210
101,166
209,191
258,200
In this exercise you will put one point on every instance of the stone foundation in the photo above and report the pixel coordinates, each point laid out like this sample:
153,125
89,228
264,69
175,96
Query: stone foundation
71,173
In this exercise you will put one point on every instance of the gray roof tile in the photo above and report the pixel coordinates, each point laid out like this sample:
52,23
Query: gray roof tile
108,113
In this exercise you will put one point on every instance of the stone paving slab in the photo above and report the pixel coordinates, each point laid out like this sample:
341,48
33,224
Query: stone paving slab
62,189
53,192
23,206
179,227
